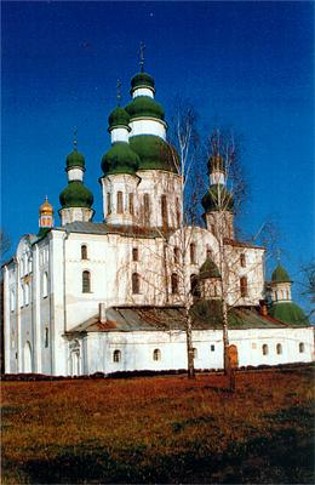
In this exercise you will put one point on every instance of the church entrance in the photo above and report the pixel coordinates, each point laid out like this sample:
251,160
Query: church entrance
28,360
233,356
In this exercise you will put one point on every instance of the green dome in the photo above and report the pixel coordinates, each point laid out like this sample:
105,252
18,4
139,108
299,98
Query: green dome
210,201
118,117
209,270
120,159
142,79
154,153
288,312
145,106
280,275
75,159
76,195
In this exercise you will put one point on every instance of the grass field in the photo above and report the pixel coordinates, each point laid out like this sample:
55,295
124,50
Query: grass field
160,430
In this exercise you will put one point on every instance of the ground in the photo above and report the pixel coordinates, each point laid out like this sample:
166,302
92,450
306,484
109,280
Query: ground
166,429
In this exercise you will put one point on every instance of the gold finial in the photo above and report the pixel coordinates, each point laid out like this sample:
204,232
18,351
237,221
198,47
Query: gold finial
118,86
141,56
75,138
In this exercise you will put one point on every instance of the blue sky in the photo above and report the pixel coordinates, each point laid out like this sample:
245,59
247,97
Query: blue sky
246,65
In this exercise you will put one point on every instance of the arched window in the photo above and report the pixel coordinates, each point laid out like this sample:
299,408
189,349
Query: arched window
84,254
116,356
86,282
45,285
279,349
301,347
146,209
243,286
174,284
243,260
108,203
164,210
119,202
46,337
265,349
195,352
156,354
192,252
131,204
135,254
176,255
209,254
178,212
194,285
135,279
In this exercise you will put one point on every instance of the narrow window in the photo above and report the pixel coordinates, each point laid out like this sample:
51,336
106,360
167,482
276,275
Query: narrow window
243,286
195,352
243,260
45,285
146,209
119,202
86,282
108,203
212,348
116,356
209,253
46,337
135,254
265,349
176,255
178,218
135,279
192,251
12,300
26,294
301,347
131,204
194,285
174,283
156,354
215,289
279,349
84,252
164,211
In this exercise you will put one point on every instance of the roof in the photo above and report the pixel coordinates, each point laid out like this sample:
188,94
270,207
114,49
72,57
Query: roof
280,275
290,313
103,228
241,244
206,315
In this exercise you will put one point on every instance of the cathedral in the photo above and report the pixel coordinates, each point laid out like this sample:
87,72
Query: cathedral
84,297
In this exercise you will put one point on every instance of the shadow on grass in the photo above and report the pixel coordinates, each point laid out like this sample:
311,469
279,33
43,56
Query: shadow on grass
283,458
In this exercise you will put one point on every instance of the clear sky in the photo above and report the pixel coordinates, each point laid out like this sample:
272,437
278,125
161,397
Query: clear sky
247,65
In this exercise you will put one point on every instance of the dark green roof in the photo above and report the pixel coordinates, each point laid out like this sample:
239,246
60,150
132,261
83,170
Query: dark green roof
118,117
142,79
209,270
76,195
280,275
75,159
145,106
218,198
289,312
154,153
120,159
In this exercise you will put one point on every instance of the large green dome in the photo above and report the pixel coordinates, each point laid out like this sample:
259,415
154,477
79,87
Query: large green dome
217,198
154,153
280,275
289,312
118,117
120,159
76,195
145,106
75,159
142,79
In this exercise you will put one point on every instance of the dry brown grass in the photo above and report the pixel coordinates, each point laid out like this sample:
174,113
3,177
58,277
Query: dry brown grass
160,430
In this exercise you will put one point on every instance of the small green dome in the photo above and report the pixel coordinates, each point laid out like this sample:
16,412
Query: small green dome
209,270
142,79
118,117
145,106
280,275
289,312
76,195
120,159
154,153
75,159
217,197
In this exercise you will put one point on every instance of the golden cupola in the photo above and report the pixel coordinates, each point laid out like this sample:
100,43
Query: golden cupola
46,215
